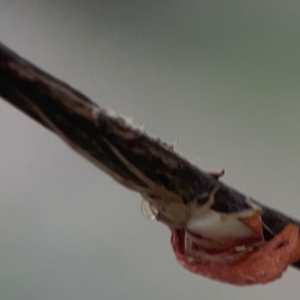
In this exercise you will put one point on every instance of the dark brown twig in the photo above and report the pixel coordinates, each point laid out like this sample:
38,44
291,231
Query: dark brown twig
131,157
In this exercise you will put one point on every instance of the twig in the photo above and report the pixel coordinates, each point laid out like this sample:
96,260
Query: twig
137,161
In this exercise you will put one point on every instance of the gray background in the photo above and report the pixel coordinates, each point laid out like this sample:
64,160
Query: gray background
219,77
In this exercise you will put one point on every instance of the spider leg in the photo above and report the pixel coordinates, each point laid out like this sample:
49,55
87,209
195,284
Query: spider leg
217,174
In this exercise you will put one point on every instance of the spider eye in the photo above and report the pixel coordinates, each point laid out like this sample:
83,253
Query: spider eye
202,199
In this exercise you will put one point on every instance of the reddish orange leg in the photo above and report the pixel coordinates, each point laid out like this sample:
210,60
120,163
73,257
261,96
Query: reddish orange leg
217,175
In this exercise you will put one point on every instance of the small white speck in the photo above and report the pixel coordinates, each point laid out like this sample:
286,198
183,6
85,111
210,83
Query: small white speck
240,248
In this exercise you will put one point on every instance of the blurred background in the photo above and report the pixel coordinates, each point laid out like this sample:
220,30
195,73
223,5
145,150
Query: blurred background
220,78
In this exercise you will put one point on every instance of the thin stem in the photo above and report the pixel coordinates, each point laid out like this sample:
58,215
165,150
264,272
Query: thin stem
134,159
